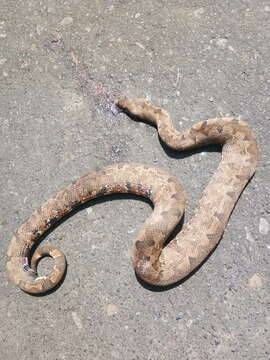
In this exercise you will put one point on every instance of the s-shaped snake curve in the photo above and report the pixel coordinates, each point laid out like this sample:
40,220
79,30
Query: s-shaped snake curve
155,263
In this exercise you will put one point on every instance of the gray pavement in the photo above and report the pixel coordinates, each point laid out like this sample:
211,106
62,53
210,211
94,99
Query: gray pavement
61,64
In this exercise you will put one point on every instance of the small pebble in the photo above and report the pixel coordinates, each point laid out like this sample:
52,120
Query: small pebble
198,12
263,226
111,309
67,21
140,45
89,211
221,42
179,316
39,29
249,235
131,231
2,61
255,281
76,320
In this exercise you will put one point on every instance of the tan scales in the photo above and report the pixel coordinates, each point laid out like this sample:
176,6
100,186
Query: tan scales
152,261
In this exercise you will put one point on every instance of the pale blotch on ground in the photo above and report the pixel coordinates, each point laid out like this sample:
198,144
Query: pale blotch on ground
111,309
249,235
198,12
76,320
189,323
255,281
220,42
2,61
39,29
89,211
67,21
73,101
263,226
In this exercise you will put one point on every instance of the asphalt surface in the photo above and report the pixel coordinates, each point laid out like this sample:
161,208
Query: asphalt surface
61,65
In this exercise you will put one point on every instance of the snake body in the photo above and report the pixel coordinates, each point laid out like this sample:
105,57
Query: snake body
155,263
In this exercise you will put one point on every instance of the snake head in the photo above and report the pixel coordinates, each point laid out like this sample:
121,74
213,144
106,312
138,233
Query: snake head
132,106
138,109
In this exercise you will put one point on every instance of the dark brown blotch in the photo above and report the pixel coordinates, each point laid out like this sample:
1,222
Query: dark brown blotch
248,138
242,177
219,128
102,191
183,138
219,216
140,245
193,261
231,194
171,180
252,149
164,213
76,203
235,122
149,242
128,187
211,237
193,134
176,196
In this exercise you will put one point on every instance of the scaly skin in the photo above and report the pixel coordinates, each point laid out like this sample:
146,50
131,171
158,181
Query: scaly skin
154,263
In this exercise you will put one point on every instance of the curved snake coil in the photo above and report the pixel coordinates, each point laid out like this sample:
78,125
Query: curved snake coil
152,261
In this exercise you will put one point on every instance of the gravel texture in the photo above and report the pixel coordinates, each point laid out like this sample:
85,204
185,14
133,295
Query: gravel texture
61,65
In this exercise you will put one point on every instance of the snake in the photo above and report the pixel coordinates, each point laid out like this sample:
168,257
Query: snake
155,259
